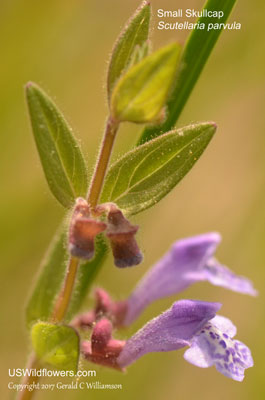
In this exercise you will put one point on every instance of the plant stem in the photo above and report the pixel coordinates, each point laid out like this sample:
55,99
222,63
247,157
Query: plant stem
93,196
64,296
66,292
25,393
103,161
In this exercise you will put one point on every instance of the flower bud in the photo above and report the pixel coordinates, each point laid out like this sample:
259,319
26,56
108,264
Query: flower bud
101,335
83,230
103,349
84,321
121,233
103,304
81,207
114,310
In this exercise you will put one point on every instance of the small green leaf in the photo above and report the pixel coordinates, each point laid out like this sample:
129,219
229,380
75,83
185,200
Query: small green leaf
146,174
60,155
50,280
56,345
135,33
142,92
195,54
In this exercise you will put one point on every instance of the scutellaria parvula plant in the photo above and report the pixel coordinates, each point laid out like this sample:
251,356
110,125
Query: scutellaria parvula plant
149,88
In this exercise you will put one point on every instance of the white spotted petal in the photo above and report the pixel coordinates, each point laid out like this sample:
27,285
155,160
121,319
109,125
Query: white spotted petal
214,345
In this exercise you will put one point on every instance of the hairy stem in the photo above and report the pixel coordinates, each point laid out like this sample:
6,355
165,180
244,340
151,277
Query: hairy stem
65,295
93,196
103,161
29,381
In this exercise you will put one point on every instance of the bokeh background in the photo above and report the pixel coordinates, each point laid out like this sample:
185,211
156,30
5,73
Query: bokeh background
64,46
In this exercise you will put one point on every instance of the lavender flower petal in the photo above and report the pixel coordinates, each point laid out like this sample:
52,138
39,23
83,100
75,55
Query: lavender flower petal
214,345
220,275
188,261
171,330
170,275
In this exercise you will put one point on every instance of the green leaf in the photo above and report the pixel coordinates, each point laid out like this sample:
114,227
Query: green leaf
146,174
142,92
60,155
195,54
135,33
50,280
56,345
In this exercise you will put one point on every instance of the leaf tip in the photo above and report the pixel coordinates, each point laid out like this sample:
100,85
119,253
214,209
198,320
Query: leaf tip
30,87
144,5
210,125
213,125
29,84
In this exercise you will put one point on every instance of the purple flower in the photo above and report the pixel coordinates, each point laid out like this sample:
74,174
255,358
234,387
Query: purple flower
169,331
192,323
187,323
188,261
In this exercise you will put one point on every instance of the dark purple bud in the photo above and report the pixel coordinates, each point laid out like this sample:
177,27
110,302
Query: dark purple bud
121,234
83,230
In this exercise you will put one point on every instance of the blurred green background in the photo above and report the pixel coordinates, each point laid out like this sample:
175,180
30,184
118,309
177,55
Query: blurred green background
64,46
